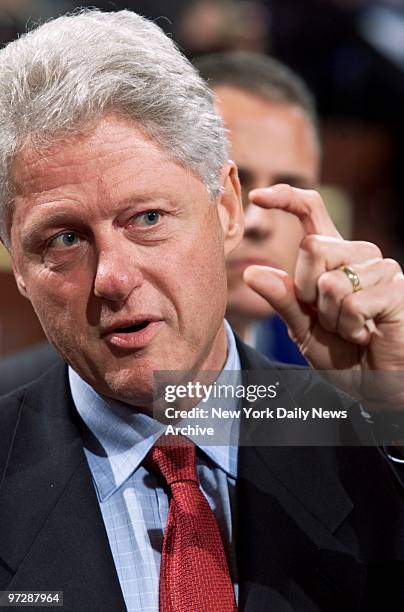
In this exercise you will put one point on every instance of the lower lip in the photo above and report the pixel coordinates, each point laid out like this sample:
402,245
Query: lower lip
134,340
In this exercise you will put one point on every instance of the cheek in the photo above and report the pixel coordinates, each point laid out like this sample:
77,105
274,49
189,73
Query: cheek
211,256
203,274
57,301
199,256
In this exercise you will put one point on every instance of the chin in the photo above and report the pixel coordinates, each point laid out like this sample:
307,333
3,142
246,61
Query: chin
136,388
259,315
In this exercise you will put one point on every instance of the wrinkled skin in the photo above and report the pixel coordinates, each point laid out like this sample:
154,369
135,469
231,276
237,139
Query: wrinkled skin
107,228
360,333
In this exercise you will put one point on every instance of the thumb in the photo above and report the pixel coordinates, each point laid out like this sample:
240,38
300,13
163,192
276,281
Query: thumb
278,288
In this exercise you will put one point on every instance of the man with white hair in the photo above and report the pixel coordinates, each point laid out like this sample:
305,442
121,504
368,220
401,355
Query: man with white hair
119,206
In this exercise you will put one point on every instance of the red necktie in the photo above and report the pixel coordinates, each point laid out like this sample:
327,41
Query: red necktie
194,576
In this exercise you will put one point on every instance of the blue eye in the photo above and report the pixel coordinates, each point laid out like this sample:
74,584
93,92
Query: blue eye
68,239
151,217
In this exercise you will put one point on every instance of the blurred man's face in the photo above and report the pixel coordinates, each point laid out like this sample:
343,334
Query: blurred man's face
270,143
121,252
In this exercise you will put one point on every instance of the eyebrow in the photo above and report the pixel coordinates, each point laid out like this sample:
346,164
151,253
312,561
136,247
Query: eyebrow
44,220
31,234
296,180
51,218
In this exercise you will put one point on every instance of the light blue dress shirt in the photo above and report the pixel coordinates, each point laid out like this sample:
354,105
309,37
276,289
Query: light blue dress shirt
133,503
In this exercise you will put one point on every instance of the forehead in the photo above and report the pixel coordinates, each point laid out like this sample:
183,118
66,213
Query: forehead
238,105
264,128
109,147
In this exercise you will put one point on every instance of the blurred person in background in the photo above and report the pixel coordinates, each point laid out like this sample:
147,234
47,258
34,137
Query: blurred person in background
350,53
274,138
14,14
206,26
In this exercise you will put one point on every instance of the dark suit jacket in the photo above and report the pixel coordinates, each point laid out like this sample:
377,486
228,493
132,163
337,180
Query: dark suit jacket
25,366
317,529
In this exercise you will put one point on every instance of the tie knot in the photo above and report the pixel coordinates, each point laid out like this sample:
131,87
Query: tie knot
173,457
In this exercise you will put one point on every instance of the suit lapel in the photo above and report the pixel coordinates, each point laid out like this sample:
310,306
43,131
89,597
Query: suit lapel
57,536
308,473
290,507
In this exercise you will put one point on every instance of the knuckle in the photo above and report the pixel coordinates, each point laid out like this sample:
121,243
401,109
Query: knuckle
397,289
356,334
313,203
312,245
327,284
350,305
315,198
283,190
391,265
372,249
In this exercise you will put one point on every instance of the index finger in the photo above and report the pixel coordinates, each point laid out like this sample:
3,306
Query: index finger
306,204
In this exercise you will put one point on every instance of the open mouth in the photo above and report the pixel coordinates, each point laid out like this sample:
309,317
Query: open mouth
133,336
132,328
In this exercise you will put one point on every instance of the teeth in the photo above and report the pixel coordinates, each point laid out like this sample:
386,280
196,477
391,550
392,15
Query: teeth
132,328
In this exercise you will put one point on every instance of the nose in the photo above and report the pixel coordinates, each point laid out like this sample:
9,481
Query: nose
258,223
117,275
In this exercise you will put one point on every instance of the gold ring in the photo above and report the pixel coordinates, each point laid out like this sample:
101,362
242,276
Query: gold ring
353,277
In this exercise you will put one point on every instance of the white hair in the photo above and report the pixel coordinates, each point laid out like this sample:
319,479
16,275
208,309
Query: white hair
62,77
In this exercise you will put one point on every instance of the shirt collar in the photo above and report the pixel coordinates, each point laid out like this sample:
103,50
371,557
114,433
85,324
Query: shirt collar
119,438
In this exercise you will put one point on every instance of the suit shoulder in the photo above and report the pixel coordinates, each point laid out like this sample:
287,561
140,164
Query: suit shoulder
32,393
10,404
25,366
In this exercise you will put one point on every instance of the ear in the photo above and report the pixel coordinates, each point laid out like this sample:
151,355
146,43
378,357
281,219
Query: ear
230,207
19,279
